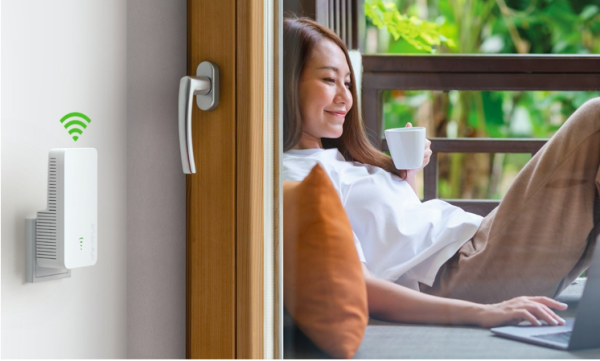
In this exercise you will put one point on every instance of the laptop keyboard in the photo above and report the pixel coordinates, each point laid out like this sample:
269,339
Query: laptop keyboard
562,337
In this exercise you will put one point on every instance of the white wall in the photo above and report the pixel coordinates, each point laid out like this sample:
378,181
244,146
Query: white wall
156,194
120,63
61,56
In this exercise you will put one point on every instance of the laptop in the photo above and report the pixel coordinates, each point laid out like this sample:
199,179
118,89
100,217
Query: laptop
579,333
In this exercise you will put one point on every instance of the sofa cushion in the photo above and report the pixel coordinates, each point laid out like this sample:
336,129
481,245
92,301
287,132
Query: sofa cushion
324,288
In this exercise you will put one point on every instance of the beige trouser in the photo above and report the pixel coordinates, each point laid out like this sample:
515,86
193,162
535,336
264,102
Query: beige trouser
540,237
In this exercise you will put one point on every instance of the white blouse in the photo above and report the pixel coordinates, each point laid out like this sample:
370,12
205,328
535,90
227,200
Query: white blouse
398,237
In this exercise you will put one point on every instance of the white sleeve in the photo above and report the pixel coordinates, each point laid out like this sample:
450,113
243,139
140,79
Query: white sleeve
296,169
361,255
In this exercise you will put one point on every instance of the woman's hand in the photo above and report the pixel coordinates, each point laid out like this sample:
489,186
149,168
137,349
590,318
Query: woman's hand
427,155
517,310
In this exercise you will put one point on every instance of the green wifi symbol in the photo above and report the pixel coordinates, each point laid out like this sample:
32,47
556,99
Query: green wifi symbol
73,123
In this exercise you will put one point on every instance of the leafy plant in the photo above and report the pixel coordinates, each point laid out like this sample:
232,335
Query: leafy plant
421,34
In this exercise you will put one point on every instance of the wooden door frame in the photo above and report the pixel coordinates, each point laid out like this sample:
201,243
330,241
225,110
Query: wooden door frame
226,204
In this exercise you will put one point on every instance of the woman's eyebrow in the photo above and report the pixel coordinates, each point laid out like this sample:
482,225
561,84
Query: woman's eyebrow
333,68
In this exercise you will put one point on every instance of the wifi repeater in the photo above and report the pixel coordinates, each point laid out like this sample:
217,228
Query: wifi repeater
65,235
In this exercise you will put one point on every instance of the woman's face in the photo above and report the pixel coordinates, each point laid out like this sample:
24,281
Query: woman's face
325,95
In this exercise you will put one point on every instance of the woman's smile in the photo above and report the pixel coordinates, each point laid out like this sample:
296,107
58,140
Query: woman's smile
337,114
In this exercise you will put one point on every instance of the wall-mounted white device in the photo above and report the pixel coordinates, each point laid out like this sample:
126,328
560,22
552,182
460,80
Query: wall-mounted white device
65,235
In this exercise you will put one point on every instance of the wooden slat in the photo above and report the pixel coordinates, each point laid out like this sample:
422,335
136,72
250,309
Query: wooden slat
300,8
468,145
482,63
337,16
331,22
360,26
211,207
322,12
482,145
343,17
350,29
481,207
250,174
479,81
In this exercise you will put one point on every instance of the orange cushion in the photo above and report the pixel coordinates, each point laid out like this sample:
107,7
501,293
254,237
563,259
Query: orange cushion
324,288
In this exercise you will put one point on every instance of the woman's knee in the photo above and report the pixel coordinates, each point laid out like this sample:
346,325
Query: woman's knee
592,105
587,116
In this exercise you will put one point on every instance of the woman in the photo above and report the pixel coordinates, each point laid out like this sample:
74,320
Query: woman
431,262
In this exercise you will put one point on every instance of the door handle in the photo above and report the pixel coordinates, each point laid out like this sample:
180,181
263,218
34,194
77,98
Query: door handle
205,86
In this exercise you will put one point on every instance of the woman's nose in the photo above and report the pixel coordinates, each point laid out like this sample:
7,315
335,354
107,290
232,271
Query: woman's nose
343,95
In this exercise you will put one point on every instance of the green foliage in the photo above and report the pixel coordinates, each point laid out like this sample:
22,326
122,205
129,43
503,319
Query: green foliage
421,34
493,114
557,26
398,113
487,26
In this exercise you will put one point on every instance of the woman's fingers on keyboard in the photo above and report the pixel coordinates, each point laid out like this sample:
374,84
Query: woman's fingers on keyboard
550,302
559,319
543,312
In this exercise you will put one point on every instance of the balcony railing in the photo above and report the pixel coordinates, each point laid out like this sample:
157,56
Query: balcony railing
470,72
470,145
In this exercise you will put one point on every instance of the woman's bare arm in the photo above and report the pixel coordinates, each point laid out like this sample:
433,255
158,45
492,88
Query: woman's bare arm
411,179
392,302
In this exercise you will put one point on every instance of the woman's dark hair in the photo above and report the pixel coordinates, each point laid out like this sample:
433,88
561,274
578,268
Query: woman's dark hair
300,36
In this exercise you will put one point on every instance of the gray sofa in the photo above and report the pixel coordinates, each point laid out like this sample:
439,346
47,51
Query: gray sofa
386,340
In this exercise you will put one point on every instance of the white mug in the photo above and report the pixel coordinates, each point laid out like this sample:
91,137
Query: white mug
407,146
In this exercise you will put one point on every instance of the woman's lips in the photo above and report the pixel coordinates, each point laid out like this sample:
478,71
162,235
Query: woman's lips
339,115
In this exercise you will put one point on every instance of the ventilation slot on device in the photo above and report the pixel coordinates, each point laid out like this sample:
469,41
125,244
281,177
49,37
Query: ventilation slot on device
45,227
